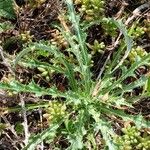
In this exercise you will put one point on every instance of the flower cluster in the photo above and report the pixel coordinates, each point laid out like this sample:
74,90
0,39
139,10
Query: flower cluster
91,8
133,139
136,53
58,39
55,111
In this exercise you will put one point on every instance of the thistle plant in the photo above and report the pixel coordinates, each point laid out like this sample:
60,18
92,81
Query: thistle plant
87,104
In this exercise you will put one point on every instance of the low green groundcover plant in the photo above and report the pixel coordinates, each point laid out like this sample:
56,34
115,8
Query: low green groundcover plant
84,110
132,138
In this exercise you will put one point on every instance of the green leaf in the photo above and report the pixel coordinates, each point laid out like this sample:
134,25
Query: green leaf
128,41
107,133
3,126
42,136
103,126
76,143
19,128
128,88
7,9
57,54
5,26
130,72
76,137
30,88
21,54
147,87
35,63
137,119
81,41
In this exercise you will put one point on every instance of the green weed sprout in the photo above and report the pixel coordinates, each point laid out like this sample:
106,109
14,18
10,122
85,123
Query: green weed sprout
96,47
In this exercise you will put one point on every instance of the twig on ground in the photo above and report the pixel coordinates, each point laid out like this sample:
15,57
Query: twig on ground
11,128
123,5
12,141
137,12
25,124
41,122
4,61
